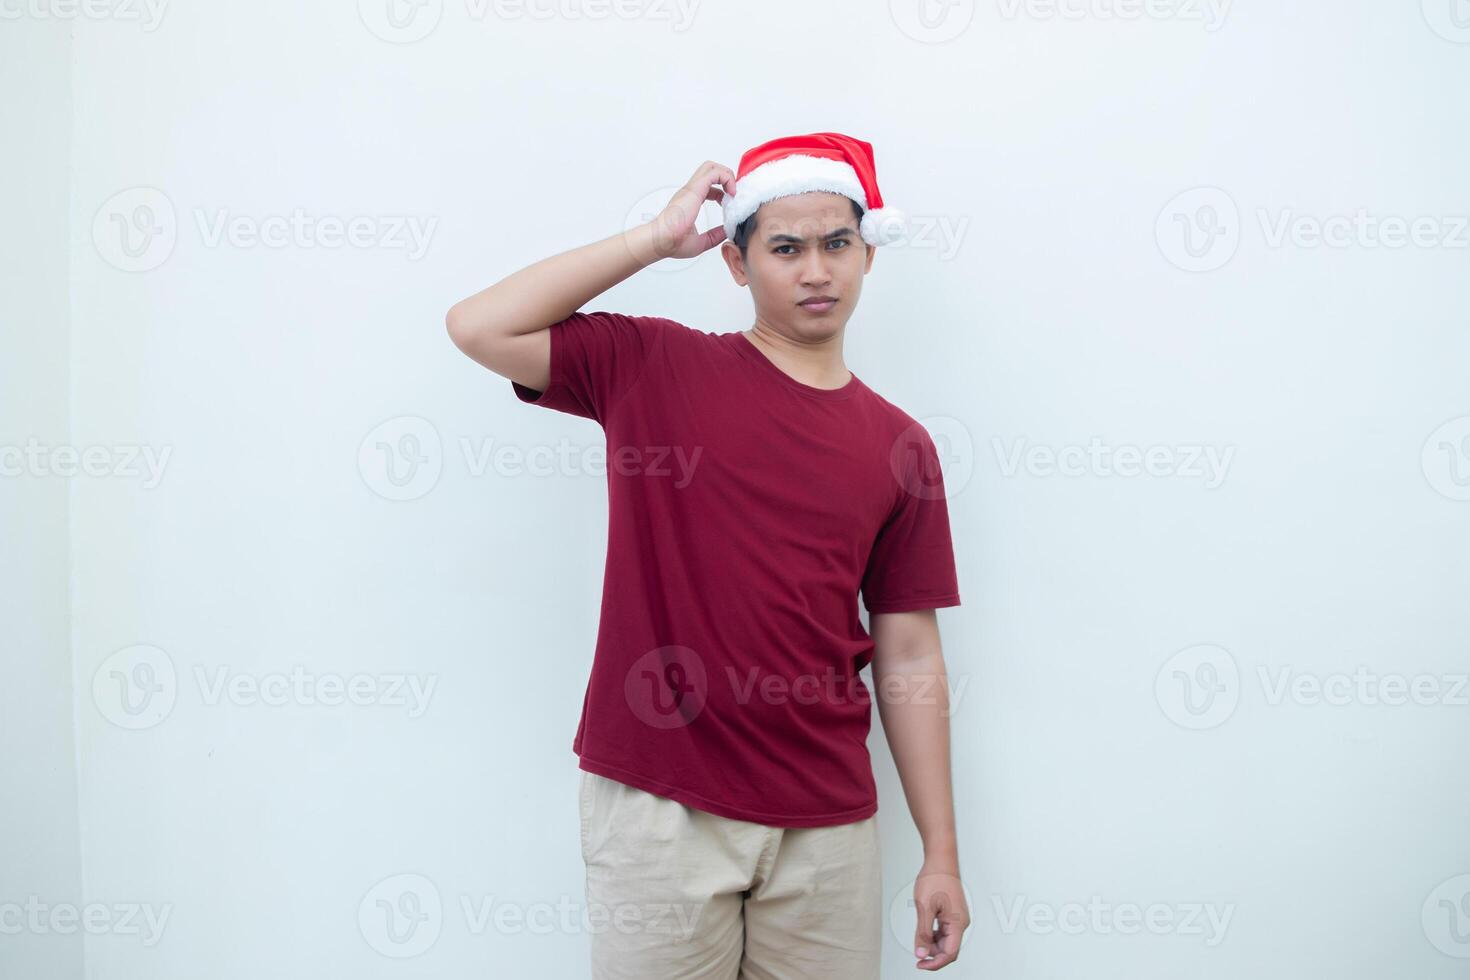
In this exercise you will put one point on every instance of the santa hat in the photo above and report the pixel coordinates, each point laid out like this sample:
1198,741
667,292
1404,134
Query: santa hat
814,162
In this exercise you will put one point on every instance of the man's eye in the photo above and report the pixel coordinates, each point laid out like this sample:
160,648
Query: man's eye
836,241
779,247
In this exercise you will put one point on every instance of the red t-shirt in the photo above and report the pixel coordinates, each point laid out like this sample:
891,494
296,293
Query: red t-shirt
745,512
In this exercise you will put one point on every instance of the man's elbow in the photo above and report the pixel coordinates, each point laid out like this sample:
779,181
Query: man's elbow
459,330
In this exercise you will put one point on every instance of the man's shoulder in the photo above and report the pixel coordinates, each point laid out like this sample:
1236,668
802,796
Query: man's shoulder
894,420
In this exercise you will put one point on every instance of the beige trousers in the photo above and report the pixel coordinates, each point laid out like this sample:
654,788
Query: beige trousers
675,893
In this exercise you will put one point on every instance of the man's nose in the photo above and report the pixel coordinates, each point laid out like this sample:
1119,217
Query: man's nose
815,271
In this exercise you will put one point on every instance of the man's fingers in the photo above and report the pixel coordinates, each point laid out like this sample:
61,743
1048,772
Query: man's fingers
924,938
711,238
710,173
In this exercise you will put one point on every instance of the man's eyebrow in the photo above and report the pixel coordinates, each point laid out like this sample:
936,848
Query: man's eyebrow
792,238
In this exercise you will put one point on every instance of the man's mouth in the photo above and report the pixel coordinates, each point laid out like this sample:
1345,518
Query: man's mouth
819,304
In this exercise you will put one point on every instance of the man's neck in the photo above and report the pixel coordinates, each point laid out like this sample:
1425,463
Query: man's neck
819,365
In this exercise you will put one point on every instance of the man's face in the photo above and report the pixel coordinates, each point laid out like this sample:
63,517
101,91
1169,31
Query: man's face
804,246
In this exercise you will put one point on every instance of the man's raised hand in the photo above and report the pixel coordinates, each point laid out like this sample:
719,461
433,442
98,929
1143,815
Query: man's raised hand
673,228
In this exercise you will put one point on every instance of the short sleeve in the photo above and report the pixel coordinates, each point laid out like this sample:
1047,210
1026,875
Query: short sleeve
911,565
596,358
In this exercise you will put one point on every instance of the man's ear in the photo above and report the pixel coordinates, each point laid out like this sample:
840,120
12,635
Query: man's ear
731,254
872,251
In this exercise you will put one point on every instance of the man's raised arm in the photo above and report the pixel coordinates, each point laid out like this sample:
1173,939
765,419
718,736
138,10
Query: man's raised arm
504,326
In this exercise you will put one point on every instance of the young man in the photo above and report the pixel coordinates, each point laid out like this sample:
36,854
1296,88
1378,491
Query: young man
755,486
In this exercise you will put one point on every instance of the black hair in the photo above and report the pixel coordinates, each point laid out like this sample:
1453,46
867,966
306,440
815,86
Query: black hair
746,228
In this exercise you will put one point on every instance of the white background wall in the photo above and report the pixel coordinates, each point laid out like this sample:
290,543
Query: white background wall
324,493
39,839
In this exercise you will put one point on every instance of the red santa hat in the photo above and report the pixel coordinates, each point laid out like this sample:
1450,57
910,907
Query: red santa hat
813,162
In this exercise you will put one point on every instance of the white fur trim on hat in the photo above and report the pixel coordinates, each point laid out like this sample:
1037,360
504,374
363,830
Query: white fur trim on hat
883,226
799,173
